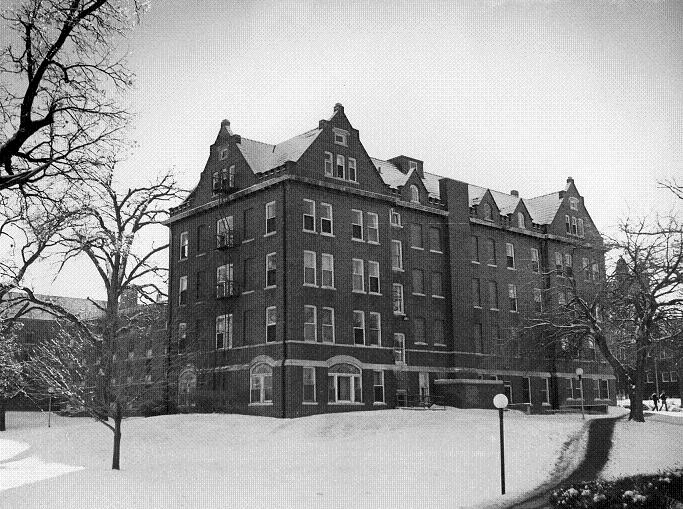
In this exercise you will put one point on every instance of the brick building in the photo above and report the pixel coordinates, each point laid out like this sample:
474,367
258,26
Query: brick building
310,277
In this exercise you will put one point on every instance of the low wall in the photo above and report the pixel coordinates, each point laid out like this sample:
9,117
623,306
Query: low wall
468,393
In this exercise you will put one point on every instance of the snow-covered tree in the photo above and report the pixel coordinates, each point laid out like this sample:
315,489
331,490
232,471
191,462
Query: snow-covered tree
11,371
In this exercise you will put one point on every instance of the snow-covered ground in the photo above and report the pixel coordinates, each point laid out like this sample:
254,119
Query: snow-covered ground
381,459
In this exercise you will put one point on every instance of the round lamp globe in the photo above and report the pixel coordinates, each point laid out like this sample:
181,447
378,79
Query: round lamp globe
500,401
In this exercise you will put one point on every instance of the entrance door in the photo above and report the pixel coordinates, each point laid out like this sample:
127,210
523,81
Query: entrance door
187,384
424,387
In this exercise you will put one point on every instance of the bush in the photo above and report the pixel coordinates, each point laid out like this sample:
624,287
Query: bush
154,408
652,491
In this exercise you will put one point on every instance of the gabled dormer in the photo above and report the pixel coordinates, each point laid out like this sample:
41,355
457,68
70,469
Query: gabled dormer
408,164
521,218
414,190
487,209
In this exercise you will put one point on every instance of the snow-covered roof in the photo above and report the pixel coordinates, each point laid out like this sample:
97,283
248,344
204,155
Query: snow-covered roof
83,308
543,208
506,203
395,178
262,157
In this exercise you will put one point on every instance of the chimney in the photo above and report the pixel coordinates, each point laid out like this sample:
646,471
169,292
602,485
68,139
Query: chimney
338,108
570,180
225,124
515,193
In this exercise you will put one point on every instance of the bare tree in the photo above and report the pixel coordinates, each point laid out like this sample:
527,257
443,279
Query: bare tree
638,308
11,372
61,84
106,235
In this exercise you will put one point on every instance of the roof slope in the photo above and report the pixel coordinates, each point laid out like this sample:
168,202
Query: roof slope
543,209
262,157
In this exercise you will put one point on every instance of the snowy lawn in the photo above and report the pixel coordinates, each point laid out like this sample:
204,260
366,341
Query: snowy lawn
381,459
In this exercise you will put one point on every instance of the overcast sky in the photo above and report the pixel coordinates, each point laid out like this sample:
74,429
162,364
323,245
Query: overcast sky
502,94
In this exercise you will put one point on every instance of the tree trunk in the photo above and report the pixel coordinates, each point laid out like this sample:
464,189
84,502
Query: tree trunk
2,414
636,397
118,416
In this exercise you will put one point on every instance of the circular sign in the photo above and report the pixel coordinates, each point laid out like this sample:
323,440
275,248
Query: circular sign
500,401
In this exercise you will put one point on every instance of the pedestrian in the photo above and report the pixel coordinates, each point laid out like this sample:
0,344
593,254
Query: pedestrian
664,405
655,400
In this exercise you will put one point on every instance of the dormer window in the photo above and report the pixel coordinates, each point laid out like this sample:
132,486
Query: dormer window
340,166
340,137
412,165
520,220
224,154
414,194
487,212
574,203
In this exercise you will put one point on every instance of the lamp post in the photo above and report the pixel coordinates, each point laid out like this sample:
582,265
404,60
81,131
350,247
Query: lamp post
50,391
500,401
579,373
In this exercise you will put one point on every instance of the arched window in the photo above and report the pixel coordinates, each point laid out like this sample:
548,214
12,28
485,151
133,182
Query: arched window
261,384
414,194
487,212
344,384
520,219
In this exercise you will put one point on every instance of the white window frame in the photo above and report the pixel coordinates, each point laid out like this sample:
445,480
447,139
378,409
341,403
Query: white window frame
399,348
355,378
308,257
375,385
545,392
224,326
374,267
359,217
395,218
323,325
182,287
272,256
261,377
538,300
412,165
225,279
326,258
271,213
378,317
416,320
225,231
422,279
271,324
414,194
373,228
184,245
521,221
559,263
414,227
394,288
438,230
510,255
512,297
361,314
535,261
439,295
340,159
224,154
304,384
329,168
314,323
352,171
340,137
398,267
580,226
307,214
442,340
357,263
326,207
575,228
573,203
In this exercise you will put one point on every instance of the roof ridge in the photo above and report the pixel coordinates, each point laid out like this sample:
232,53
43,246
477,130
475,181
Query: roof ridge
256,141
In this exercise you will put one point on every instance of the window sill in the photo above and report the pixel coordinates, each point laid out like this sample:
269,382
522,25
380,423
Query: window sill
420,343
269,287
494,309
374,293
492,265
438,297
379,403
358,291
436,252
270,403
476,307
353,239
510,268
269,234
513,311
328,288
418,248
419,294
399,313
200,254
182,259
439,344
374,243
247,292
309,403
309,231
327,234
247,241
397,269
396,225
476,262
310,285
339,403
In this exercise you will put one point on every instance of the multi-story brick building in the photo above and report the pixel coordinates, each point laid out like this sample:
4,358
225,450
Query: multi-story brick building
314,278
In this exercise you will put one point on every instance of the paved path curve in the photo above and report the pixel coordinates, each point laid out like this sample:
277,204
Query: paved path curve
597,452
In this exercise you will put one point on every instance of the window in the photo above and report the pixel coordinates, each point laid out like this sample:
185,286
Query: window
356,224
477,332
344,384
526,390
359,327
271,268
574,388
261,384
327,322
435,239
375,329
328,165
491,244
309,216
596,271
649,377
581,231
310,324
340,137
223,332
419,330
270,218
373,228
200,285
412,165
574,203
201,241
378,386
418,282
559,268
248,224
545,391
225,285
309,385
510,255
538,300
182,340
399,348
476,293
395,218
225,234
184,245
373,277
396,255
507,389
487,212
512,294
340,166
495,334
475,249
535,264
248,274
224,154
353,176
414,194
397,298
520,220
585,264
665,376
309,269
568,265
591,349
326,219
358,281
575,230
437,288
604,389
327,270
561,296
271,323
416,236
438,332
182,290
567,224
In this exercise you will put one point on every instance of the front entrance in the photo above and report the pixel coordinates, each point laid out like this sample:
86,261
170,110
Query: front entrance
424,387
187,386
